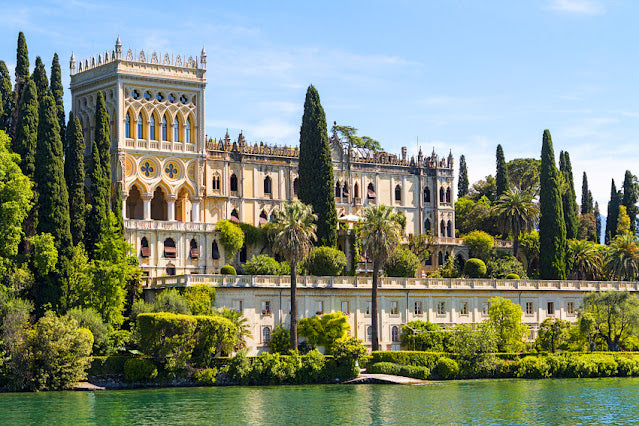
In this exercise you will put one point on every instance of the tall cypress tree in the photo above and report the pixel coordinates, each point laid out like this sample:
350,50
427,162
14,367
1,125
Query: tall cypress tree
26,129
462,184
57,90
100,178
598,222
586,196
316,183
552,229
613,213
630,198
501,178
22,75
74,176
6,98
40,79
568,196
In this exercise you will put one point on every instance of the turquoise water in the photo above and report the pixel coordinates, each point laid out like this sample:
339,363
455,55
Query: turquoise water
485,402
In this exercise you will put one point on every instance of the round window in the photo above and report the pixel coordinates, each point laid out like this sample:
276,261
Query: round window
159,96
147,95
135,94
172,97
183,99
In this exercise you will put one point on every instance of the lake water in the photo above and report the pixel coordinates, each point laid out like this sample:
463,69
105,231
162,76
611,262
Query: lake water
485,402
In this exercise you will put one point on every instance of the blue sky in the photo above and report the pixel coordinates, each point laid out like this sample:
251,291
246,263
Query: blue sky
460,75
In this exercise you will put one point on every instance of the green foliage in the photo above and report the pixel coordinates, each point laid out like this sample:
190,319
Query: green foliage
200,299
205,377
512,276
316,182
280,342
44,254
462,182
552,228
325,261
231,237
420,245
90,318
586,260
74,176
26,128
228,270
449,269
569,199
252,234
446,368
533,367
629,199
262,265
424,336
415,358
139,370
241,325
480,244
350,134
622,258
475,268
613,213
523,174
416,372
402,263
529,244
107,365
505,317
503,266
587,206
623,221
40,79
347,350
168,338
610,315
472,342
59,353
553,334
57,91
501,177
6,98
471,215
170,300
517,212
324,330
214,335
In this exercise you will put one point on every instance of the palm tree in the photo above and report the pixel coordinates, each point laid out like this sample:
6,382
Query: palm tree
587,260
517,212
381,230
240,322
622,258
294,232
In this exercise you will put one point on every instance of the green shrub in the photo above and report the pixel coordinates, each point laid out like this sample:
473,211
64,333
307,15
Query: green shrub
91,319
399,370
533,367
170,300
384,368
168,338
252,234
312,368
512,276
139,370
325,261
285,268
231,237
627,365
480,244
262,265
591,365
214,335
403,263
419,336
200,299
414,372
475,268
446,368
107,365
228,270
324,330
280,340
205,377
416,358
502,266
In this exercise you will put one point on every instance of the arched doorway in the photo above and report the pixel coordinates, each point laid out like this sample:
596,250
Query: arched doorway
159,205
183,206
134,204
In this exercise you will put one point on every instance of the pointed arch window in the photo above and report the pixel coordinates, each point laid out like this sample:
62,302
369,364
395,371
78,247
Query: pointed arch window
145,251
267,185
233,183
338,190
371,191
195,250
398,193
188,131
449,229
440,258
127,126
170,251
448,195
356,190
441,195
395,334
152,128
442,228
345,190
235,216
176,130
427,225
140,134
263,218
427,195
164,135
295,186
215,251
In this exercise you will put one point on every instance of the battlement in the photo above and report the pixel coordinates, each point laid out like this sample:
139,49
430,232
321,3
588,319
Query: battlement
133,56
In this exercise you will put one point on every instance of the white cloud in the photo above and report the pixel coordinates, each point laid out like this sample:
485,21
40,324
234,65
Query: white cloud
578,7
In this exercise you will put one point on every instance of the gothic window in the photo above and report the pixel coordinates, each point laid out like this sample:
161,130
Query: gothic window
127,126
427,195
345,190
243,254
152,128
442,228
215,251
440,258
398,193
233,183
164,135
441,195
145,251
235,217
135,94
371,191
216,183
176,130
338,189
449,229
395,334
448,195
356,190
266,335
170,251
188,131
195,250
267,185
263,218
295,186
427,225
369,334
140,134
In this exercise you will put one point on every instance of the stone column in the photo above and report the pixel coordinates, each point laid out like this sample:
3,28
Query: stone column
146,199
170,207
124,197
195,210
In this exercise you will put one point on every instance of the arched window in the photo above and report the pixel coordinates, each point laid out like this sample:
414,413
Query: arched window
235,217
152,128
127,126
369,334
266,334
243,254
427,225
345,190
448,195
195,250
215,183
169,248
187,138
441,195
338,190
371,191
427,195
395,333
356,190
267,185
263,218
442,228
272,217
164,135
440,258
398,193
145,251
295,186
215,251
176,130
233,183
449,229
140,134
170,269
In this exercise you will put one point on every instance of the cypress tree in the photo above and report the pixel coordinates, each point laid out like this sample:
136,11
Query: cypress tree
26,129
74,176
613,213
501,178
40,79
462,184
586,196
22,75
100,178
6,98
552,229
598,222
568,196
57,90
630,198
316,183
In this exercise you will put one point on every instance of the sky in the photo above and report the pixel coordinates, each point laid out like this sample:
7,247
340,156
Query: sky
450,75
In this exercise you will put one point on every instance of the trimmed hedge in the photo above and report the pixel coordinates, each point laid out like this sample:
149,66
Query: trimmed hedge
325,261
475,268
139,370
414,358
446,368
399,370
107,365
228,270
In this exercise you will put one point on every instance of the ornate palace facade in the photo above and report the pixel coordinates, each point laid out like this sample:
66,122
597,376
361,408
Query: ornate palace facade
177,184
